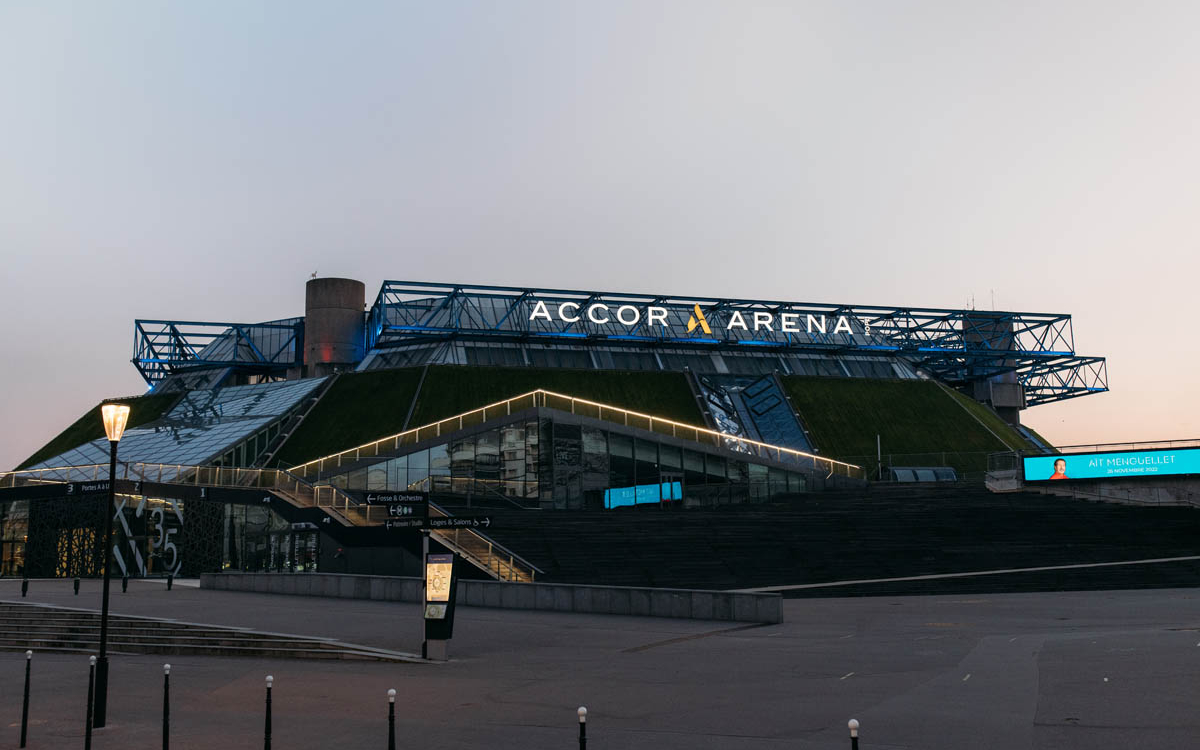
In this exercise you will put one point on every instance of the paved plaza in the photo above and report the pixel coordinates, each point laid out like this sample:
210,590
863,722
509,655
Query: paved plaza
1089,670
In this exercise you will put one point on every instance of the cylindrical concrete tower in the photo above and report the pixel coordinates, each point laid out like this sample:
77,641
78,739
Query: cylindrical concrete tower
333,324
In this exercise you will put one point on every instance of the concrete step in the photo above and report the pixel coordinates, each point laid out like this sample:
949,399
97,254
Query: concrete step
56,629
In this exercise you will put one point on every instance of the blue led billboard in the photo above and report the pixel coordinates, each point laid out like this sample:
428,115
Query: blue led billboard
642,493
1158,463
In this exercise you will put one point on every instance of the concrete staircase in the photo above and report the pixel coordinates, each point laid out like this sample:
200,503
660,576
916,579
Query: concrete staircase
45,628
878,532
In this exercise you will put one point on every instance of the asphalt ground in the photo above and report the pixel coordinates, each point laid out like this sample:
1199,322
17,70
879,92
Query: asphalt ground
1096,670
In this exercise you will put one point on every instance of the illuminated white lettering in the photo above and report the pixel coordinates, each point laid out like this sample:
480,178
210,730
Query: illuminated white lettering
819,323
621,315
540,311
787,322
591,313
656,315
736,321
843,325
762,320
563,316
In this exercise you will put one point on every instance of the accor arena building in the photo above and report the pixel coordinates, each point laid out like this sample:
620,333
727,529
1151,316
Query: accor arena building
260,446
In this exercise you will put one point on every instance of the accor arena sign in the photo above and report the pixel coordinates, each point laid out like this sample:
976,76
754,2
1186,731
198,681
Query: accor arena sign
630,316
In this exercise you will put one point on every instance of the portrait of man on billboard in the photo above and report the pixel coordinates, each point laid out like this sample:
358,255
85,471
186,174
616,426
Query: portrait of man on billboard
1060,469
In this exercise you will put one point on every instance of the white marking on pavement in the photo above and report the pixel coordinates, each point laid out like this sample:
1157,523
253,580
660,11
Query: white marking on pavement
848,674
967,677
1002,571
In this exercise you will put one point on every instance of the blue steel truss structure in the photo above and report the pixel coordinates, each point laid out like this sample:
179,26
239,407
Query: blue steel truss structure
168,347
958,346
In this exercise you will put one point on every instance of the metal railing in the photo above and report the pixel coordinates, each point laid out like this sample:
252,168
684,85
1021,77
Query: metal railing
392,444
1134,446
478,549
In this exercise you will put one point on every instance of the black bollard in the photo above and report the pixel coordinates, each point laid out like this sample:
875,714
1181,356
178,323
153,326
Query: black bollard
166,706
25,704
582,727
87,728
854,734
124,583
24,587
170,580
392,719
267,732
76,585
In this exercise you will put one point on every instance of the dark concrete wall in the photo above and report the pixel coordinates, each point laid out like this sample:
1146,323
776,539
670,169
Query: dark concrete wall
555,597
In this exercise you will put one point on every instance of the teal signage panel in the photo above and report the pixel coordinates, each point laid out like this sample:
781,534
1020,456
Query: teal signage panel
1156,463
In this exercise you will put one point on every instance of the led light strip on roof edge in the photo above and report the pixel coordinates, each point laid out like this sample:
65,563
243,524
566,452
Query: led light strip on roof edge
300,468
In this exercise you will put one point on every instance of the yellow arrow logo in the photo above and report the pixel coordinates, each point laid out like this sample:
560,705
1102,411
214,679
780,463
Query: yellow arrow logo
698,319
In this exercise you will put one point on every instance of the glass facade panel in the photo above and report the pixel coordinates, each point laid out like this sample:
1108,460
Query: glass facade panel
439,469
646,463
568,465
715,466
620,451
487,457
397,473
377,477
670,458
532,455
418,468
462,457
512,460
693,468
758,481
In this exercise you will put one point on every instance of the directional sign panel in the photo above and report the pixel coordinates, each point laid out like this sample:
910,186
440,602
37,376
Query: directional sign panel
476,522
389,498
87,488
405,510
404,523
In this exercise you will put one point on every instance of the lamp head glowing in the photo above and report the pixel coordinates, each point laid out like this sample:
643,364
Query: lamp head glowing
115,417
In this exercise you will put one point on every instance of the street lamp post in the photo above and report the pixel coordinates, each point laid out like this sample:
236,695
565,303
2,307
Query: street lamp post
115,417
